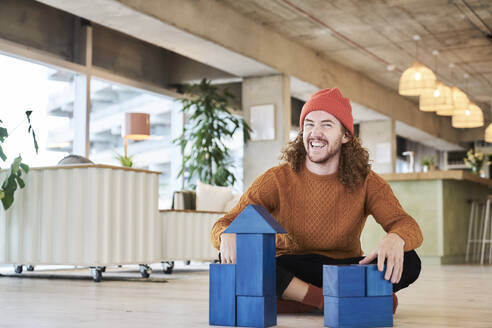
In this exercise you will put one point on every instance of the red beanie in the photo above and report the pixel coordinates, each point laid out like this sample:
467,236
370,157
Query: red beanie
331,101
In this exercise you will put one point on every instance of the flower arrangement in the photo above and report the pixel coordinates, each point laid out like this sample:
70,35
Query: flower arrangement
475,161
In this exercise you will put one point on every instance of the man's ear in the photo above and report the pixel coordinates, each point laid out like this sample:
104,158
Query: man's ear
346,137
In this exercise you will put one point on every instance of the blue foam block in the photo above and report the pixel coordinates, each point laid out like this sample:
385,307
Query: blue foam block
255,219
256,311
255,265
374,311
222,301
343,280
376,285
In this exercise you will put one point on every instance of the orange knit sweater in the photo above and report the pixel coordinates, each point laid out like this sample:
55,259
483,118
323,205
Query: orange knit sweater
320,215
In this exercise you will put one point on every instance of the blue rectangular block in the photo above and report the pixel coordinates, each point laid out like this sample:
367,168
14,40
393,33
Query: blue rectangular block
374,311
256,311
255,265
222,297
376,285
343,280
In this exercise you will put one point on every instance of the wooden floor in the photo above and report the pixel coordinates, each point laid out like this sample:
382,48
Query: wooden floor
444,296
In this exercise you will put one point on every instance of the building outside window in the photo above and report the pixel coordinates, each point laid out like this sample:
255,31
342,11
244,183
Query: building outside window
50,93
29,86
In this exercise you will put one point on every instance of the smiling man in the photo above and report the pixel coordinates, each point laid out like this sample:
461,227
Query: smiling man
322,196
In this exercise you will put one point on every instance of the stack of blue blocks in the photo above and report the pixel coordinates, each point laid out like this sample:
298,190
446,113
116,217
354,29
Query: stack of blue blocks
244,294
357,296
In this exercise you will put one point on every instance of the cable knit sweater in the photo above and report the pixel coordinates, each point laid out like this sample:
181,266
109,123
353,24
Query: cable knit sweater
320,215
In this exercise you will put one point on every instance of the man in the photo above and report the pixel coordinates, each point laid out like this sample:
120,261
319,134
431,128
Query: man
322,197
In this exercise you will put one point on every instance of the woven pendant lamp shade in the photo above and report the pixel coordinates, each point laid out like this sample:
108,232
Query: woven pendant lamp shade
488,133
437,99
471,117
416,79
460,101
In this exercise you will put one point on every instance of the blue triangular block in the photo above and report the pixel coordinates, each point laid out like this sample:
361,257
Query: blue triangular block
255,219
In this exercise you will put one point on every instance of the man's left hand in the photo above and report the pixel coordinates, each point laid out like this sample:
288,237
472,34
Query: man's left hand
390,248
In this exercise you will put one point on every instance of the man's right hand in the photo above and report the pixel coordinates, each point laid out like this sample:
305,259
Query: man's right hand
228,248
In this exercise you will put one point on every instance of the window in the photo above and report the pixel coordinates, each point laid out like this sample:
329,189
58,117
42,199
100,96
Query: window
49,93
109,103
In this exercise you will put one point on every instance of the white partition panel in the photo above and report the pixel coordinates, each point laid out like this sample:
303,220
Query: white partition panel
93,215
186,235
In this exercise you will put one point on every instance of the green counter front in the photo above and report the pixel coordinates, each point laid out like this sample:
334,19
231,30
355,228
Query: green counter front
440,202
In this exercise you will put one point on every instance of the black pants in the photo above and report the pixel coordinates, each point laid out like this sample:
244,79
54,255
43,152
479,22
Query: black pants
309,268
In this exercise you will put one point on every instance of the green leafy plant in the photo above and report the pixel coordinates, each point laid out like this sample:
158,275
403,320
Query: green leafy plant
17,168
209,124
429,161
475,160
126,161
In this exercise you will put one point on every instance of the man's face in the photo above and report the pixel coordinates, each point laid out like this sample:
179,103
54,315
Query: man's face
323,136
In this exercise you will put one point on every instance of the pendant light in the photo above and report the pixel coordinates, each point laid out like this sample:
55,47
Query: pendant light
488,130
417,78
460,101
471,117
488,133
437,99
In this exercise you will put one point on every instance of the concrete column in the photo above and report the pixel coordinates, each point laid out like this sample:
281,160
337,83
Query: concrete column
379,138
82,103
259,156
81,112
177,119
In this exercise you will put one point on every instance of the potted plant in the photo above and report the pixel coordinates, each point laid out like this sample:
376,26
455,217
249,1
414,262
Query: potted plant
126,161
17,168
428,163
475,160
208,123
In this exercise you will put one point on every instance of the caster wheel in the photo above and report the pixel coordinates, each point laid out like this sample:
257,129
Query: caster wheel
167,267
145,270
96,274
187,262
18,269
30,268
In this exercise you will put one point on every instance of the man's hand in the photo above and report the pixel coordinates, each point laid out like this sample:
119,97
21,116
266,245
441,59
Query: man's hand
228,248
391,248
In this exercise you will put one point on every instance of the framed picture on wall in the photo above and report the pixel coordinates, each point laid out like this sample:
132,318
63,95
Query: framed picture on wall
262,122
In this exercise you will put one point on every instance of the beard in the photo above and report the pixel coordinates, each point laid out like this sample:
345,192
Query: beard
333,150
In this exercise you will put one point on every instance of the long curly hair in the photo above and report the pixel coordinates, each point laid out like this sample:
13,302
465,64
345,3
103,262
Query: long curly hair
353,167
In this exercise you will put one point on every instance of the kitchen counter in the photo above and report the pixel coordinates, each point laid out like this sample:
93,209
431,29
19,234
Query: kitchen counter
440,202
437,175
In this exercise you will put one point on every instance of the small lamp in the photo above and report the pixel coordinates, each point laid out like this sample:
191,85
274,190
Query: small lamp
136,127
488,133
470,117
416,79
460,101
436,100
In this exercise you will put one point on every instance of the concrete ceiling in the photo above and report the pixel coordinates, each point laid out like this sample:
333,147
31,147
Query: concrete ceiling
365,37
409,132
118,16
372,36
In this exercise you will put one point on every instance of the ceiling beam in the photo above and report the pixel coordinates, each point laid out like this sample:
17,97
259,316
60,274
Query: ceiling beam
217,35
